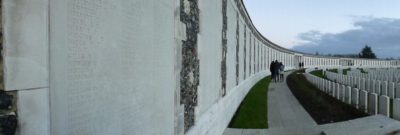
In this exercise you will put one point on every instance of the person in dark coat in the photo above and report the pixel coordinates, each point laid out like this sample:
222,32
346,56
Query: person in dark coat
271,69
299,65
276,70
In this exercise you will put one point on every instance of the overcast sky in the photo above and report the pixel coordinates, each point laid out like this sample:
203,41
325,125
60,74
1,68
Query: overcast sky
330,26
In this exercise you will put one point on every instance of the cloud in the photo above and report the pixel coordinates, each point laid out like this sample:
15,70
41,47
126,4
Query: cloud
382,34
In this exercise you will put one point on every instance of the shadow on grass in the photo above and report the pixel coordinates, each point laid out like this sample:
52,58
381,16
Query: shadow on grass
322,107
253,111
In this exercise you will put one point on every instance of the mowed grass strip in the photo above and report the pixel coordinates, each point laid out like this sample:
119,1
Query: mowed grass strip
318,73
253,111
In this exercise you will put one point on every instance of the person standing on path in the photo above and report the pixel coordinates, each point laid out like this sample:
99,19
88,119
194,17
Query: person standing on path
282,69
299,65
271,69
276,70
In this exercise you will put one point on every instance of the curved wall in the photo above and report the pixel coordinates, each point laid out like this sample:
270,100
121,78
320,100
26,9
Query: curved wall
137,66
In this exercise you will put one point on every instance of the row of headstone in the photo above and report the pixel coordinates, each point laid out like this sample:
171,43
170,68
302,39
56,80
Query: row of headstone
364,100
390,74
390,89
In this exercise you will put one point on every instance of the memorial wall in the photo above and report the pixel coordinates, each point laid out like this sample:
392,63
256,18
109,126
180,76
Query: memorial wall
100,67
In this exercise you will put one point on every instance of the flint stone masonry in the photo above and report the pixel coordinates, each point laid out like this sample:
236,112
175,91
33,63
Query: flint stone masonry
237,48
384,105
373,103
224,47
244,53
190,62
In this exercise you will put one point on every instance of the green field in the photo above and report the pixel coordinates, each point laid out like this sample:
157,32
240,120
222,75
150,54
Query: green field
318,73
253,111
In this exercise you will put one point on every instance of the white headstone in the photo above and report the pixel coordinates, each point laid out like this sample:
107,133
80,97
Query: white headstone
363,84
372,103
363,100
342,93
397,90
372,86
396,109
348,95
333,86
354,97
385,88
338,91
378,87
391,90
384,105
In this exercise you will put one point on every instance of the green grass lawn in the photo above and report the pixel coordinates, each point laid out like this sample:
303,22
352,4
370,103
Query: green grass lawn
318,73
345,71
363,71
253,111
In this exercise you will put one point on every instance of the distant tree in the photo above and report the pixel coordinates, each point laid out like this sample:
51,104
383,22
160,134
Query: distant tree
367,52
316,53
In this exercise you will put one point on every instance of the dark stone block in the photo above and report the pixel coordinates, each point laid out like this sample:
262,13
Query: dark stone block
8,124
5,100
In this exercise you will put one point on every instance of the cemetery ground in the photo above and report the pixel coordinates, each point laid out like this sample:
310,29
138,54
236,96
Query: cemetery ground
345,71
322,107
253,111
318,73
